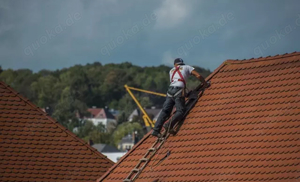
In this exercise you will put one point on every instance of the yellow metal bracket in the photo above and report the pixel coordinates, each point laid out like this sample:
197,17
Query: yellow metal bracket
146,118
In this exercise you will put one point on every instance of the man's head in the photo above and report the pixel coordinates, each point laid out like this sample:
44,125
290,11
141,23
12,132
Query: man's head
178,61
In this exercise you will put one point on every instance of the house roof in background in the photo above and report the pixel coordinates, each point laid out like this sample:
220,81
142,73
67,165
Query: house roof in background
105,148
127,139
245,127
151,112
34,147
100,113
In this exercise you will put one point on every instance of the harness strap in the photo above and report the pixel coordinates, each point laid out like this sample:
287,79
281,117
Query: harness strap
177,93
179,73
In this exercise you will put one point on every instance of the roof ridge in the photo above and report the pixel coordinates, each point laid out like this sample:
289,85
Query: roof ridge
108,114
68,132
267,58
232,61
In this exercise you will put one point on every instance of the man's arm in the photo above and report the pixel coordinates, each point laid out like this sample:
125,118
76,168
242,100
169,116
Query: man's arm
199,77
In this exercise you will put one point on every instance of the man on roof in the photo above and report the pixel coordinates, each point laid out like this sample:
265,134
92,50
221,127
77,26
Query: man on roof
176,96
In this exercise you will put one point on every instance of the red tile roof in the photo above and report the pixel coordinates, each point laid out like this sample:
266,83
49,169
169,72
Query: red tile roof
100,113
94,111
245,127
34,147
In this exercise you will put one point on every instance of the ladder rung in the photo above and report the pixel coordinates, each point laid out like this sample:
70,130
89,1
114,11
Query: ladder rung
144,159
127,180
135,170
152,149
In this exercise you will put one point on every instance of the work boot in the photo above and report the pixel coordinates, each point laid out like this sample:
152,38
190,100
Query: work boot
156,134
172,131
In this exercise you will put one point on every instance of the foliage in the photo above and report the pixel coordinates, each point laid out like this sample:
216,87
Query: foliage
70,91
125,129
95,133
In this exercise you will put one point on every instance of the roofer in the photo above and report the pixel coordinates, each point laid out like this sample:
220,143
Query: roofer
175,95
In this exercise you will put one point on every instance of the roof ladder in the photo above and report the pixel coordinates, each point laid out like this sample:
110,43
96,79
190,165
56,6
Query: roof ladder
146,159
191,101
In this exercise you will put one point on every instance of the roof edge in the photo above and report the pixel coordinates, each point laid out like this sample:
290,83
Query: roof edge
94,151
216,71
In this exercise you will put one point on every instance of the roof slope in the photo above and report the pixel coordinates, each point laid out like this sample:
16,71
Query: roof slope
245,127
34,147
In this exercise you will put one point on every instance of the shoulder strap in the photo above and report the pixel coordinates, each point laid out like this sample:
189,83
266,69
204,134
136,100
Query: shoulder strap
179,73
182,79
174,72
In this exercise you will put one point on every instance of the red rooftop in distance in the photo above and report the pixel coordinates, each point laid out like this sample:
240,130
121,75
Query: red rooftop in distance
245,127
34,147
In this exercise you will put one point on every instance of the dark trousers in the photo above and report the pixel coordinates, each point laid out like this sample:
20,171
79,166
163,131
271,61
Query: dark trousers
178,101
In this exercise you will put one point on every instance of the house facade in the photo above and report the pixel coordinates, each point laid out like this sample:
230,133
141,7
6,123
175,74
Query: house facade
128,142
100,115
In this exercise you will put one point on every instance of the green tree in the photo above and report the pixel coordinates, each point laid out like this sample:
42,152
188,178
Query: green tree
69,110
98,137
8,76
87,128
125,129
47,91
88,131
70,91
122,118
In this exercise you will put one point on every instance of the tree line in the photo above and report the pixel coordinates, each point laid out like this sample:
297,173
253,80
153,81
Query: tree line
70,91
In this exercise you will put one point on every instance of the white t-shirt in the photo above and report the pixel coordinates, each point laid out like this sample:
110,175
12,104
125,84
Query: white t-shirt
185,70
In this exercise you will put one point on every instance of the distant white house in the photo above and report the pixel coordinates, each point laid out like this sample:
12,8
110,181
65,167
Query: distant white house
100,115
128,142
111,152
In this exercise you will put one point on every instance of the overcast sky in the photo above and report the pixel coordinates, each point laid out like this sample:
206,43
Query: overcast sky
42,34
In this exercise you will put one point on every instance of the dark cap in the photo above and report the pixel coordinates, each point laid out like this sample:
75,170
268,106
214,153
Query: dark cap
178,61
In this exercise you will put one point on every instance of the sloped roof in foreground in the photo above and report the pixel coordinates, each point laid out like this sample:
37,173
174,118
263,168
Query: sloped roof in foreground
34,147
245,127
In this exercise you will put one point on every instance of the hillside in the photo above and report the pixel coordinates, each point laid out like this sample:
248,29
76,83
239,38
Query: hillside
72,90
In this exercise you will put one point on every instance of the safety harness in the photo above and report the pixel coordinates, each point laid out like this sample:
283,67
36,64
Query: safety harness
181,79
177,70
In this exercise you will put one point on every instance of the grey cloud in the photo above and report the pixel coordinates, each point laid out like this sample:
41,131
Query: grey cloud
47,35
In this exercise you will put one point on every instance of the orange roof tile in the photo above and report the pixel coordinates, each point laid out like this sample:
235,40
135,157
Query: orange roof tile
245,127
34,147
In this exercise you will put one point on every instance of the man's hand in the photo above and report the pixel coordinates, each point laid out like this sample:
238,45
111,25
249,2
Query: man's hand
200,78
207,84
